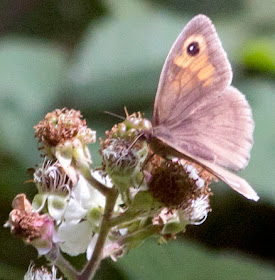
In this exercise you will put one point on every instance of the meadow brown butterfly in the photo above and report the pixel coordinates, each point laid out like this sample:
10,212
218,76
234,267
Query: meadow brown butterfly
197,115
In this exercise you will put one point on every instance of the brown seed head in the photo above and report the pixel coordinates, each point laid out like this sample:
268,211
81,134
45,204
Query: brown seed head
61,125
171,184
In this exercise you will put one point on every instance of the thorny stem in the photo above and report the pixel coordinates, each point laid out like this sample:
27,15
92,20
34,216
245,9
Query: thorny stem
89,270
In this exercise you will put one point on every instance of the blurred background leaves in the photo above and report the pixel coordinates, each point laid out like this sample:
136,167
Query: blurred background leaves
103,55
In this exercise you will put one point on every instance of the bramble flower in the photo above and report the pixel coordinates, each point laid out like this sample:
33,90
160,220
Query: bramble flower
51,177
54,187
81,218
33,228
79,230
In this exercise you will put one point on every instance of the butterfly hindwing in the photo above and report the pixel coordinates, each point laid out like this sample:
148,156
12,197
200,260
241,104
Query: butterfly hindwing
219,130
235,182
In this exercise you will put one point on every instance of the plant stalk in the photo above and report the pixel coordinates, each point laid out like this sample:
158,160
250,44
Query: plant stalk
55,257
90,269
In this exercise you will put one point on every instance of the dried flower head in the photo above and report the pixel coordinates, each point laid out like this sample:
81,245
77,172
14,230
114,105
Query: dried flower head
185,193
61,125
32,227
175,184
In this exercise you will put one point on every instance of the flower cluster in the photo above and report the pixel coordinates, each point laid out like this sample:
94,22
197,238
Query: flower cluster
106,211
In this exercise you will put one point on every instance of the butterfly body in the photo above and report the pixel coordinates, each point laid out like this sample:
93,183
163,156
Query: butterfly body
197,115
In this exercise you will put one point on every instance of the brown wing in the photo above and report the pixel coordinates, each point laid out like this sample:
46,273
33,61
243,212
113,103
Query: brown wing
195,68
219,130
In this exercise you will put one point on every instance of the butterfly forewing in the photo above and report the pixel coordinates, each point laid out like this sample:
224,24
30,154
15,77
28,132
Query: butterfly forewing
196,66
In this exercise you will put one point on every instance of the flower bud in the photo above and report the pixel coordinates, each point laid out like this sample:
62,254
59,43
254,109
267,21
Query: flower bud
123,153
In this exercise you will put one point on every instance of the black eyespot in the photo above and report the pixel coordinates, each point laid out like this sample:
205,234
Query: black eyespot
193,48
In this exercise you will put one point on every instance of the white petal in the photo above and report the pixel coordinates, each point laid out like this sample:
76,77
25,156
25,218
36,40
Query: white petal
91,247
88,196
57,205
200,183
39,201
194,174
104,180
74,211
123,231
75,237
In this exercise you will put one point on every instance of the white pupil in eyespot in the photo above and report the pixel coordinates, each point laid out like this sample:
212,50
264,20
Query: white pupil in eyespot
193,48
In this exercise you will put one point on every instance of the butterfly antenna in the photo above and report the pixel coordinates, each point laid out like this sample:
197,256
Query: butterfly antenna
134,142
114,115
126,112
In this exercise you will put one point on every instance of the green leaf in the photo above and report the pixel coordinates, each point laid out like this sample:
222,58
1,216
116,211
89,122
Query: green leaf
259,55
182,260
8,272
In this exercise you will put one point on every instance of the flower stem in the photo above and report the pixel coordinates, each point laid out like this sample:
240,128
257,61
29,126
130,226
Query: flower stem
90,269
126,217
130,216
63,265
95,183
139,236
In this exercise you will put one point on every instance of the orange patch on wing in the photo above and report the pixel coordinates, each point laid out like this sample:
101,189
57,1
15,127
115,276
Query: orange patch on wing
188,81
207,82
206,72
194,69
199,63
182,61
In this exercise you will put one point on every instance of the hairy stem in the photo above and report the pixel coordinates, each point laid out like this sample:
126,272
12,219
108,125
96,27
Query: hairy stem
89,270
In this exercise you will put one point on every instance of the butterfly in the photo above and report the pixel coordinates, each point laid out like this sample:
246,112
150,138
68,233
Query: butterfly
198,116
